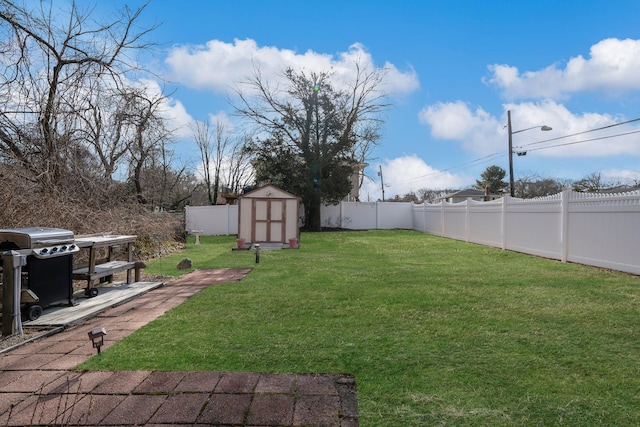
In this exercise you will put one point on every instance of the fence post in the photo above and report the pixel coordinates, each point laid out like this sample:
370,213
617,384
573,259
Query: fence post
442,218
414,222
424,207
503,221
564,225
467,220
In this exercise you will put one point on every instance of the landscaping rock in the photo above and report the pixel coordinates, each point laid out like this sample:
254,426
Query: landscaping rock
185,264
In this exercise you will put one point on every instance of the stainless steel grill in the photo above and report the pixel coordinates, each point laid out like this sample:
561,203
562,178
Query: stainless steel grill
38,241
49,264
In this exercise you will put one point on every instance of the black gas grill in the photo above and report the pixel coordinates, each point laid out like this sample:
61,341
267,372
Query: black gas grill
49,263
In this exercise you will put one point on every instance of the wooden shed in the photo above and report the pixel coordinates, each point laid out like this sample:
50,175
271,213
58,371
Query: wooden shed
268,215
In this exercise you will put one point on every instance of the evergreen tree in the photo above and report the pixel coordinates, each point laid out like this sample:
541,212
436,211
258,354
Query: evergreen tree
493,177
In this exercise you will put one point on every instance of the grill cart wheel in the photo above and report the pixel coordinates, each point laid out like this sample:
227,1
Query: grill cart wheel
34,312
93,292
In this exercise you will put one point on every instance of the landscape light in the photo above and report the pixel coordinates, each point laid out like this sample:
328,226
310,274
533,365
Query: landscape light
257,250
96,336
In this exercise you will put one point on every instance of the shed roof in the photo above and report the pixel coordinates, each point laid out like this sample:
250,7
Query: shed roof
269,191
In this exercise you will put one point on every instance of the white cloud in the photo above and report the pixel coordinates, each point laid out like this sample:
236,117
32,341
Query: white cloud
484,134
223,119
585,142
171,109
612,67
218,65
476,130
406,174
625,176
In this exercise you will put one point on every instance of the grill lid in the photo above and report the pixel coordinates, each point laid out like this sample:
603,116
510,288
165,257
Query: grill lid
34,237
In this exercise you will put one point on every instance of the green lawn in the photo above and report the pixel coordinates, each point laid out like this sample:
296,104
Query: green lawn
436,331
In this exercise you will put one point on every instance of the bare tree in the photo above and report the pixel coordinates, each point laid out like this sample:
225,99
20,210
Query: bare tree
239,172
216,148
164,184
316,131
105,123
203,137
149,134
428,195
49,59
593,182
222,139
535,186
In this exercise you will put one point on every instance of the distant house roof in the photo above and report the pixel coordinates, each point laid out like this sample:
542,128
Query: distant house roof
619,189
469,193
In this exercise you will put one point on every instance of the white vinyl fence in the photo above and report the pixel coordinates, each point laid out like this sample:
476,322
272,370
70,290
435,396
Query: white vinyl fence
367,216
601,230
212,220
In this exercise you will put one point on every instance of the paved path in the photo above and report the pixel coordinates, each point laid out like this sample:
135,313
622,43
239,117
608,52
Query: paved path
39,387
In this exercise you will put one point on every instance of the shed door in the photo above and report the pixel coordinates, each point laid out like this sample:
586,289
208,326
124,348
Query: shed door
269,220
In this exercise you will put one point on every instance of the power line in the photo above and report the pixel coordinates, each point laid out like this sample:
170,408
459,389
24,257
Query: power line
497,155
472,162
580,133
585,140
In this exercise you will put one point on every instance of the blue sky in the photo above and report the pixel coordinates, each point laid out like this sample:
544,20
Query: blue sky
457,67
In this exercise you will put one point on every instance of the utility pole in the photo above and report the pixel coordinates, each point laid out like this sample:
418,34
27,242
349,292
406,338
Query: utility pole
511,183
381,182
510,131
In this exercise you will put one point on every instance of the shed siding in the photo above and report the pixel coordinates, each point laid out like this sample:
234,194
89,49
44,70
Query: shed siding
268,215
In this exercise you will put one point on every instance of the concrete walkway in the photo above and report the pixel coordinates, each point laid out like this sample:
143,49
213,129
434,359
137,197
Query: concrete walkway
39,387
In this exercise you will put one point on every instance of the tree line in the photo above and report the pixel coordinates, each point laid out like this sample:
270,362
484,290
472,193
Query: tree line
82,119
525,187
76,118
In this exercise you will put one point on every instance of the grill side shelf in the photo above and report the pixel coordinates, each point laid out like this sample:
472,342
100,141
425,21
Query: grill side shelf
104,269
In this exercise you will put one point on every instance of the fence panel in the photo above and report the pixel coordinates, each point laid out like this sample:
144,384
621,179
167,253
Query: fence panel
604,232
392,215
485,223
212,220
367,216
359,216
418,217
331,216
534,227
454,223
434,219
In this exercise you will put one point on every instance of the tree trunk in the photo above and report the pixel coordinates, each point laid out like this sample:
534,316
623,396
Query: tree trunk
313,222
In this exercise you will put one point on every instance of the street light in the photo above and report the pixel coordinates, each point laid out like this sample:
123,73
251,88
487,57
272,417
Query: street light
543,128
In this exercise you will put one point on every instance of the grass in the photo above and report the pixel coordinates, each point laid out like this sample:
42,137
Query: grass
436,331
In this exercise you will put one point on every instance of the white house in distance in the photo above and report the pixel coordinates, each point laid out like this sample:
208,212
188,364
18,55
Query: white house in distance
469,194
356,176
268,215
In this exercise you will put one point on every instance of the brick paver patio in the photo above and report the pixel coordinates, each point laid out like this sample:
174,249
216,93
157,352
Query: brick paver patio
38,385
